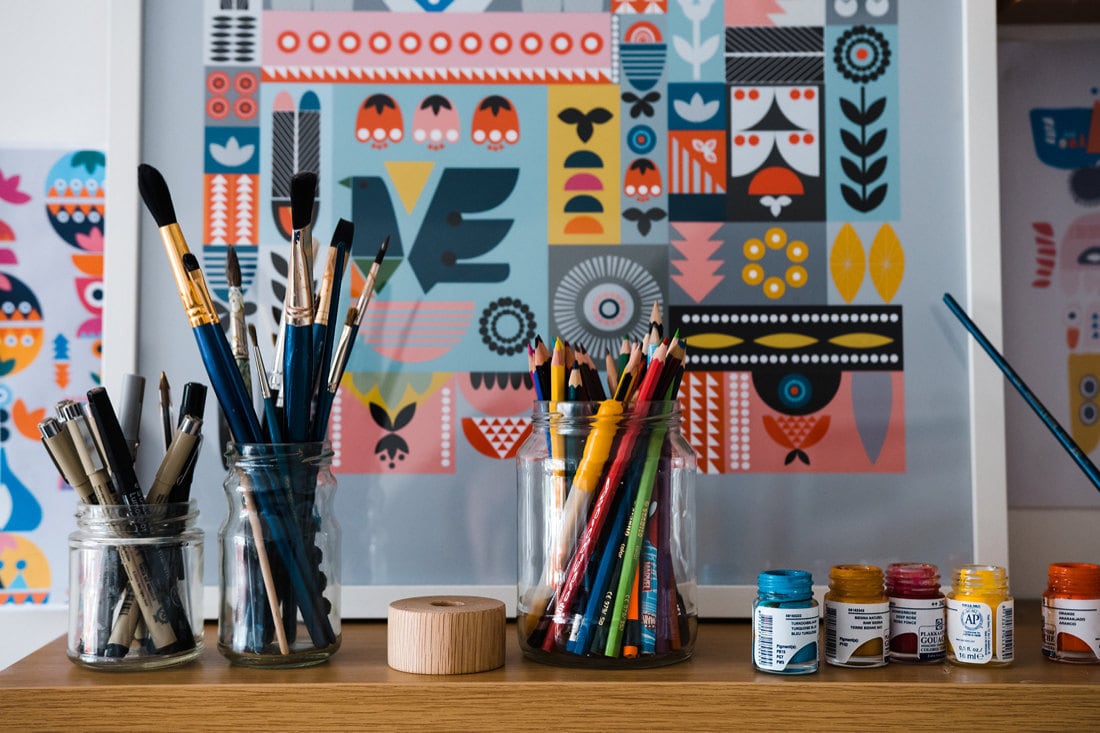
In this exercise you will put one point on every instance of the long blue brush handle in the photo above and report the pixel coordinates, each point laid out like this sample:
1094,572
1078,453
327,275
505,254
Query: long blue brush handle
297,382
324,403
1067,441
271,502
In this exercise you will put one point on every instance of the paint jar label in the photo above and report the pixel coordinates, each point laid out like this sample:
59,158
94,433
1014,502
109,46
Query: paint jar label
782,635
849,627
970,628
1079,619
916,628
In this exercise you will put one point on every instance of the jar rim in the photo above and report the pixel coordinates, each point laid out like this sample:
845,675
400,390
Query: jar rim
307,452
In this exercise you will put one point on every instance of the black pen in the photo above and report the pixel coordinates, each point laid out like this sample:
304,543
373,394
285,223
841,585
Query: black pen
133,398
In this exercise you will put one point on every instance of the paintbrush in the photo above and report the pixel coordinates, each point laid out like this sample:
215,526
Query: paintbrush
1067,442
216,356
303,189
328,302
274,432
298,349
345,344
237,338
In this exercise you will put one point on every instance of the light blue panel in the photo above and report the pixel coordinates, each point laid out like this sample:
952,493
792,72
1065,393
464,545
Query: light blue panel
869,93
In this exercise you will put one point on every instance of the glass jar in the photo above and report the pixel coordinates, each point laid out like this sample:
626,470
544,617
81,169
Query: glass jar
280,597
785,623
857,617
980,617
916,612
1071,613
606,536
154,621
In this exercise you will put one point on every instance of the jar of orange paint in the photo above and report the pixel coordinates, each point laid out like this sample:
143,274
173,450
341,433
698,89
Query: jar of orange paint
1071,613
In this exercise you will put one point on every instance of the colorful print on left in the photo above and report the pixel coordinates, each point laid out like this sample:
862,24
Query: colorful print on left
51,299
554,168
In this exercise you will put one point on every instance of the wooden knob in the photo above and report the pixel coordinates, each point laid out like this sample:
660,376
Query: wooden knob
445,634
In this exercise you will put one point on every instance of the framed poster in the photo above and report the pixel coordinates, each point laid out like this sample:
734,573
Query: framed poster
795,183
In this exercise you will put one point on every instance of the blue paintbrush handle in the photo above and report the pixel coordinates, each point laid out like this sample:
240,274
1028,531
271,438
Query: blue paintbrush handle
271,501
297,382
1067,441
324,403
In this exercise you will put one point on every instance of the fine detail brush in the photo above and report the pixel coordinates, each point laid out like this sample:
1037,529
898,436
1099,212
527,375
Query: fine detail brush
328,301
345,344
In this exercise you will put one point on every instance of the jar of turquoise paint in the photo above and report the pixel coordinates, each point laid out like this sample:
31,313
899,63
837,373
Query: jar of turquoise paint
785,623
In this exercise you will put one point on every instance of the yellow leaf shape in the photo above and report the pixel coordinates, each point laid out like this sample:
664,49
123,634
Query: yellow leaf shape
784,340
886,262
714,341
861,340
847,263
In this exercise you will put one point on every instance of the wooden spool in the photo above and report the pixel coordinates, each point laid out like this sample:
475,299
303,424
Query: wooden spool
445,634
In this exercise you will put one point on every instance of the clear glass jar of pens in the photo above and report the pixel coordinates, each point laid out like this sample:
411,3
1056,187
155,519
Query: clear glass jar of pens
279,580
607,536
115,625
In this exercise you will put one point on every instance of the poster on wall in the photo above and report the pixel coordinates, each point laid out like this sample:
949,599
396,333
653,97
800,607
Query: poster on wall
1050,242
51,301
554,170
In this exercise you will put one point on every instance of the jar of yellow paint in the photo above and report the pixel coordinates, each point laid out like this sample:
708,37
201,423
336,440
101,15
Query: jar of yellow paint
980,617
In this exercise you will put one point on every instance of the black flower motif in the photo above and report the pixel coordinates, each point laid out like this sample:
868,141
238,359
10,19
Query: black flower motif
862,54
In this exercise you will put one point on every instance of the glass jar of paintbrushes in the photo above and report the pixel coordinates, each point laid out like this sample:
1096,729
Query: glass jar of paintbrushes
280,564
135,586
606,535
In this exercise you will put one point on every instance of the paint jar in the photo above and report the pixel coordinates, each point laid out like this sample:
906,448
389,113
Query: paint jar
606,536
135,586
916,613
857,617
980,617
279,579
785,623
1071,613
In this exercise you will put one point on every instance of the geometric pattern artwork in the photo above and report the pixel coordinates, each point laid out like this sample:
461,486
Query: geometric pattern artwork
553,170
52,223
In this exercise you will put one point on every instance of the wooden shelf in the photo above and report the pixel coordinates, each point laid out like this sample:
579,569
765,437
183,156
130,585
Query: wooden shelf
717,689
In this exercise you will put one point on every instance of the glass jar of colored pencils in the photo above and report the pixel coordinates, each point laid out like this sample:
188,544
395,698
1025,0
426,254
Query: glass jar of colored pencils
606,536
135,586
279,578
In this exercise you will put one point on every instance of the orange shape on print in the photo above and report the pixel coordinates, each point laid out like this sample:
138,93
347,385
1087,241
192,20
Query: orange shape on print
26,421
90,263
496,437
583,225
776,181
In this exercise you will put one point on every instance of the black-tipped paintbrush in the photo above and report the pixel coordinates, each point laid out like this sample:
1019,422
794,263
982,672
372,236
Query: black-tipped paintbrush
328,303
303,190
343,348
213,346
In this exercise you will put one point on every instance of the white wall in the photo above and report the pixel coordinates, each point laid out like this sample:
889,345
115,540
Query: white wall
53,54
